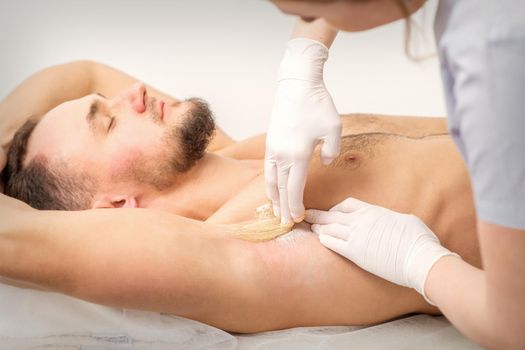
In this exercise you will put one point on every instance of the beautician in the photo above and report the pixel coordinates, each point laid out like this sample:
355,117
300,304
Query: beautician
481,46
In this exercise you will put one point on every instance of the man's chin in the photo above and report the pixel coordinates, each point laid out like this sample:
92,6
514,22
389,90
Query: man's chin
194,133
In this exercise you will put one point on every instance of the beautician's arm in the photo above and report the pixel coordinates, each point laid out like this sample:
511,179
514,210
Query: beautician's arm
318,30
137,258
52,86
487,305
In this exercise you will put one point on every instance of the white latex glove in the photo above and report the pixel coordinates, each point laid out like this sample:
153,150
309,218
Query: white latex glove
303,115
397,247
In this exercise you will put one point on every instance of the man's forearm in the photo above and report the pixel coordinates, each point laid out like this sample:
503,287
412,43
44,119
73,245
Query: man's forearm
41,92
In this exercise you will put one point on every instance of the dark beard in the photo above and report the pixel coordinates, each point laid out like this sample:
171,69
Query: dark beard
192,136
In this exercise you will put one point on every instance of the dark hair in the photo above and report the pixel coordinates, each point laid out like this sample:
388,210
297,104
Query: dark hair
41,184
408,26
403,7
194,135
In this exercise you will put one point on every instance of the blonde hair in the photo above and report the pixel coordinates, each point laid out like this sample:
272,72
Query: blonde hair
264,228
409,26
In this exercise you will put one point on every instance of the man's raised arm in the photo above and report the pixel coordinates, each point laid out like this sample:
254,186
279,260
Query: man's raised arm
40,93
137,258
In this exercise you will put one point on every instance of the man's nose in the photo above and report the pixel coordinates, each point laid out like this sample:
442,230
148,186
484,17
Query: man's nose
135,96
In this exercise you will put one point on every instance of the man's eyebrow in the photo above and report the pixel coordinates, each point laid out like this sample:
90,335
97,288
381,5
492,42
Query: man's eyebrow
90,117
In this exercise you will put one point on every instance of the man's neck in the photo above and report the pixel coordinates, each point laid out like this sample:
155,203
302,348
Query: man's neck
201,191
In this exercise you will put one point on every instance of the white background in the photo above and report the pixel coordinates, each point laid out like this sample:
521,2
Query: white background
225,51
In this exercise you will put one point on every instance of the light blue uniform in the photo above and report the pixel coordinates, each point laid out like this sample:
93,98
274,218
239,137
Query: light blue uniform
481,45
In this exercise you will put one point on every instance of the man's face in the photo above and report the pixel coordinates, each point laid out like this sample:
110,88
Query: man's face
127,144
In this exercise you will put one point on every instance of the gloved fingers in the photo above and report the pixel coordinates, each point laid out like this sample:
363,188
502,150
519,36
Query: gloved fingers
296,183
337,245
282,184
322,217
270,180
331,146
334,230
349,205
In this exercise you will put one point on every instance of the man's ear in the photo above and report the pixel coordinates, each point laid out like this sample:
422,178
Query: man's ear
114,201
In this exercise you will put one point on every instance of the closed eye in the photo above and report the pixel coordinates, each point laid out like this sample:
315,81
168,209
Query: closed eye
112,123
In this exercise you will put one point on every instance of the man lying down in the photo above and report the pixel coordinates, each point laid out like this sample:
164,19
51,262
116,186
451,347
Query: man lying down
105,141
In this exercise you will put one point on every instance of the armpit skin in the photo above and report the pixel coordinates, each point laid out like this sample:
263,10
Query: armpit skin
311,286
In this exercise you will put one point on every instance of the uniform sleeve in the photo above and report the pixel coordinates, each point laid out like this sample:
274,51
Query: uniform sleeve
488,118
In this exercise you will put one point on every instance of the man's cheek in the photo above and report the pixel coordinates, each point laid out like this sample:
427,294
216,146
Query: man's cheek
124,163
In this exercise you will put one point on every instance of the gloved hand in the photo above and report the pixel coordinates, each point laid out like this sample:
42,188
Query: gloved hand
397,247
303,114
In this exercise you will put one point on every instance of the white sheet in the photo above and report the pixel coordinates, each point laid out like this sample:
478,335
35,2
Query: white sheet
32,319
416,332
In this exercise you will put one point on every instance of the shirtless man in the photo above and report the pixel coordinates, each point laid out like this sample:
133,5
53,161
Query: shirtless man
189,264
